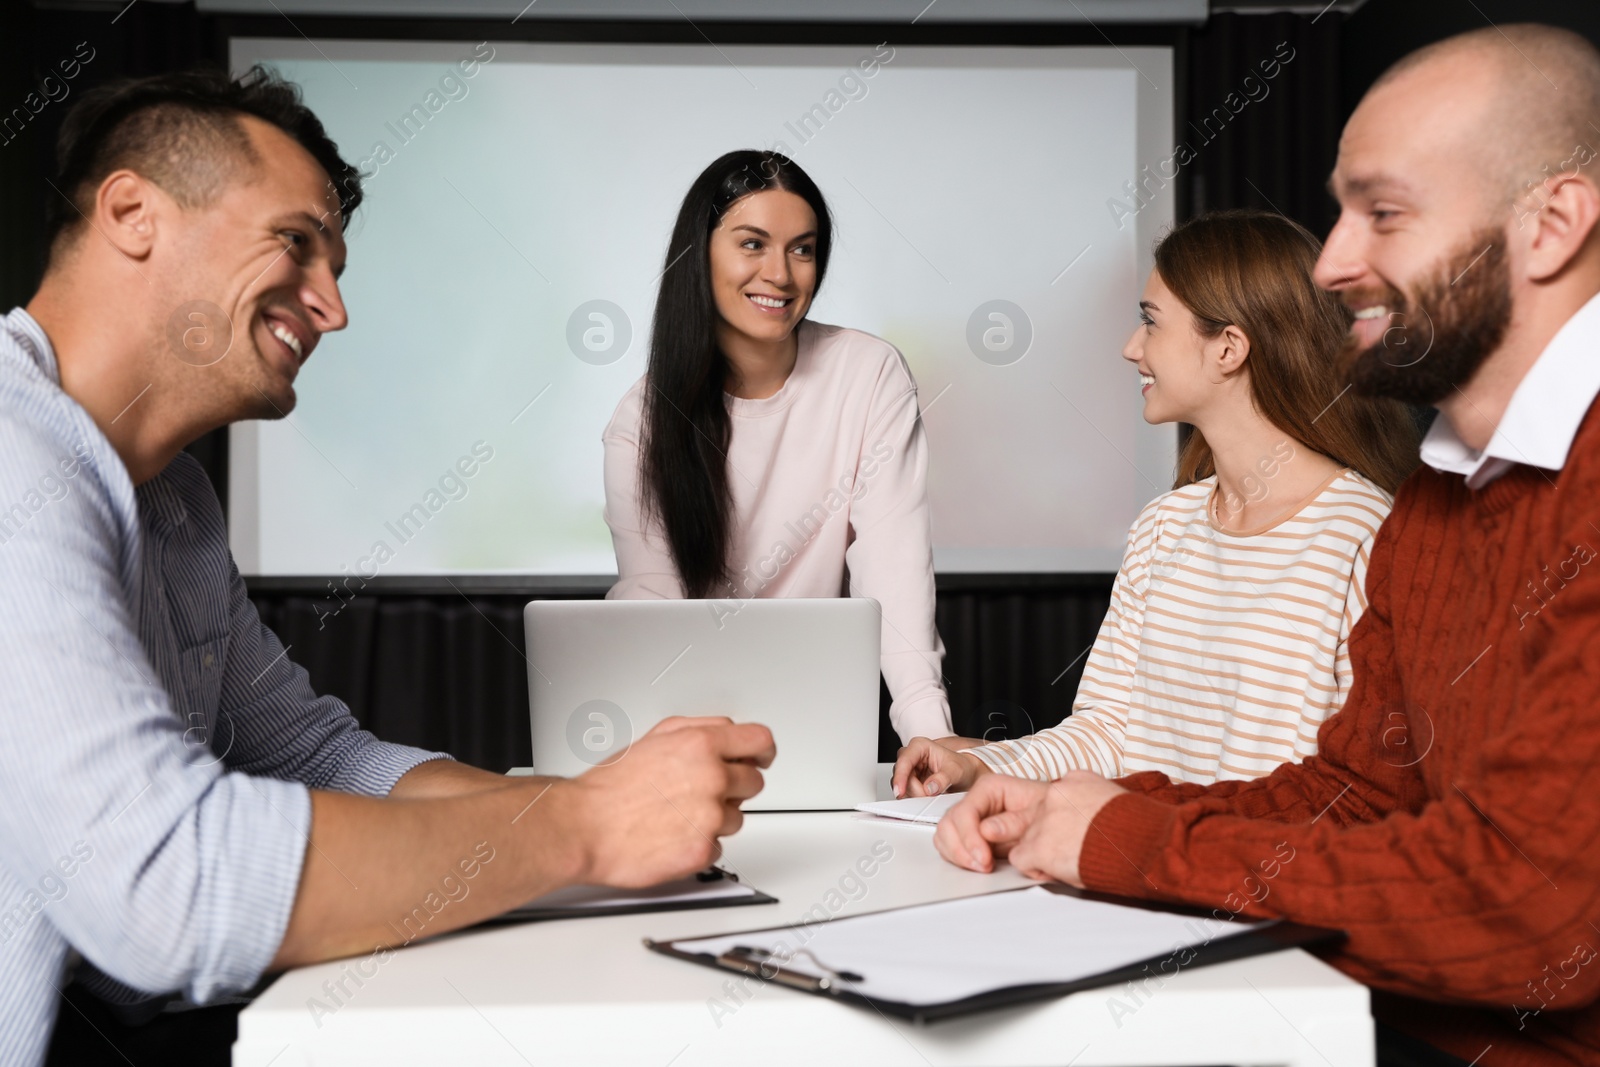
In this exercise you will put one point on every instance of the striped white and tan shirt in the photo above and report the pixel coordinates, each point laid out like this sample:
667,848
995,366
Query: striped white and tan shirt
1222,652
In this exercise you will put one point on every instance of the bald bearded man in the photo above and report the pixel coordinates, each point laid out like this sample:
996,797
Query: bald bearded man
1450,823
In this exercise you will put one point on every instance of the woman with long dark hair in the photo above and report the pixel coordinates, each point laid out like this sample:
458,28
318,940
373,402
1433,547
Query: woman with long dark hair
766,455
1225,648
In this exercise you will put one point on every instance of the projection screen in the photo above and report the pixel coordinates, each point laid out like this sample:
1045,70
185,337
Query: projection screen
995,208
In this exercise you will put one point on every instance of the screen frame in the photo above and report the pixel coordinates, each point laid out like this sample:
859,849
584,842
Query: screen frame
1176,37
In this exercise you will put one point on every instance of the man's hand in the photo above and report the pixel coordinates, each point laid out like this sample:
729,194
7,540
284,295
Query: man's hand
1039,826
926,768
656,811
992,818
1049,849
652,815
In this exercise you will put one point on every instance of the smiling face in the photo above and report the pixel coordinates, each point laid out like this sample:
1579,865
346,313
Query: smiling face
1170,356
1420,252
268,251
763,264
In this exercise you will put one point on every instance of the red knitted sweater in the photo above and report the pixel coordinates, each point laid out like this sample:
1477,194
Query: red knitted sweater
1451,822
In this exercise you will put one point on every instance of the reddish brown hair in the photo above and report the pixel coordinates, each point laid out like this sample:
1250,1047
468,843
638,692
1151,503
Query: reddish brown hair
1252,269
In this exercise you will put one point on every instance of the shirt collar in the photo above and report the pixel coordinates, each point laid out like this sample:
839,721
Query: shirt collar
31,338
1544,414
23,329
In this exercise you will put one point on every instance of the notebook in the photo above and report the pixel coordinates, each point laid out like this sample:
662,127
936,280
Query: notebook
715,888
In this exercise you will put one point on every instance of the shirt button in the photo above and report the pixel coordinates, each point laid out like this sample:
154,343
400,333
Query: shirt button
207,660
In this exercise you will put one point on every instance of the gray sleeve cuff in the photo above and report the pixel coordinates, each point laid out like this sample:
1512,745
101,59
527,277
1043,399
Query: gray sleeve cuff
255,879
377,766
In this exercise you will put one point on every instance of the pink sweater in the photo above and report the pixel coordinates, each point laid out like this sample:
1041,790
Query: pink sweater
829,484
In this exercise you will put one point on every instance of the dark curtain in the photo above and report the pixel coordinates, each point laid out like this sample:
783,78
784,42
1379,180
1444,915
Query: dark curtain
1277,151
141,39
124,42
1384,30
448,672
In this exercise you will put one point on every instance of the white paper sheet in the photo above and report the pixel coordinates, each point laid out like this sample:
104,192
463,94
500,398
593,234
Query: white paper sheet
927,810
942,952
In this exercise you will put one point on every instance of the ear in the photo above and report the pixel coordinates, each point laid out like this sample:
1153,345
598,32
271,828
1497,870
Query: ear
1562,226
126,207
1226,353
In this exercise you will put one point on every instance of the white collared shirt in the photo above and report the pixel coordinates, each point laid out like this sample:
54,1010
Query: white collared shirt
1542,420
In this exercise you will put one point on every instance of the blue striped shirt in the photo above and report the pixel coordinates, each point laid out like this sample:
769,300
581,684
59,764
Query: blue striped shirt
156,744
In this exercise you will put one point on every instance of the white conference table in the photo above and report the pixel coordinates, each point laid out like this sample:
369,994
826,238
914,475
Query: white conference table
586,991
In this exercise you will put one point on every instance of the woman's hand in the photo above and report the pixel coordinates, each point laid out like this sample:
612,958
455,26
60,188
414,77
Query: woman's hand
926,768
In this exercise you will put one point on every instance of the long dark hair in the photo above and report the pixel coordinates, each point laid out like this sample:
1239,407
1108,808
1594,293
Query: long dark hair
684,435
1252,269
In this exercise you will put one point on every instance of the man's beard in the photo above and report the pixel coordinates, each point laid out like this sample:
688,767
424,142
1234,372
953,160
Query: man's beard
1437,341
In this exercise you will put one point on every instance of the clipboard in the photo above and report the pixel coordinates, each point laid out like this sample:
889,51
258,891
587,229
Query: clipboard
704,889
822,966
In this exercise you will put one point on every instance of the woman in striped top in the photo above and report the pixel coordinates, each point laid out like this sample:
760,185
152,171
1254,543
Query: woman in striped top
1225,646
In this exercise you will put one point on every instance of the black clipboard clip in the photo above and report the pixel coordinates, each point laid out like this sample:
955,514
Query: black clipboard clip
767,966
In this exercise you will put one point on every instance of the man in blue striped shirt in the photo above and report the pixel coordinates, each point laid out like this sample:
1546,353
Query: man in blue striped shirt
181,811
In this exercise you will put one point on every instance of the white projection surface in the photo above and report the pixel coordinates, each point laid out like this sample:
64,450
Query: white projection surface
502,275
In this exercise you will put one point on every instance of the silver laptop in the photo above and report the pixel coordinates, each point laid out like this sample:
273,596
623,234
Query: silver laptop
603,672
